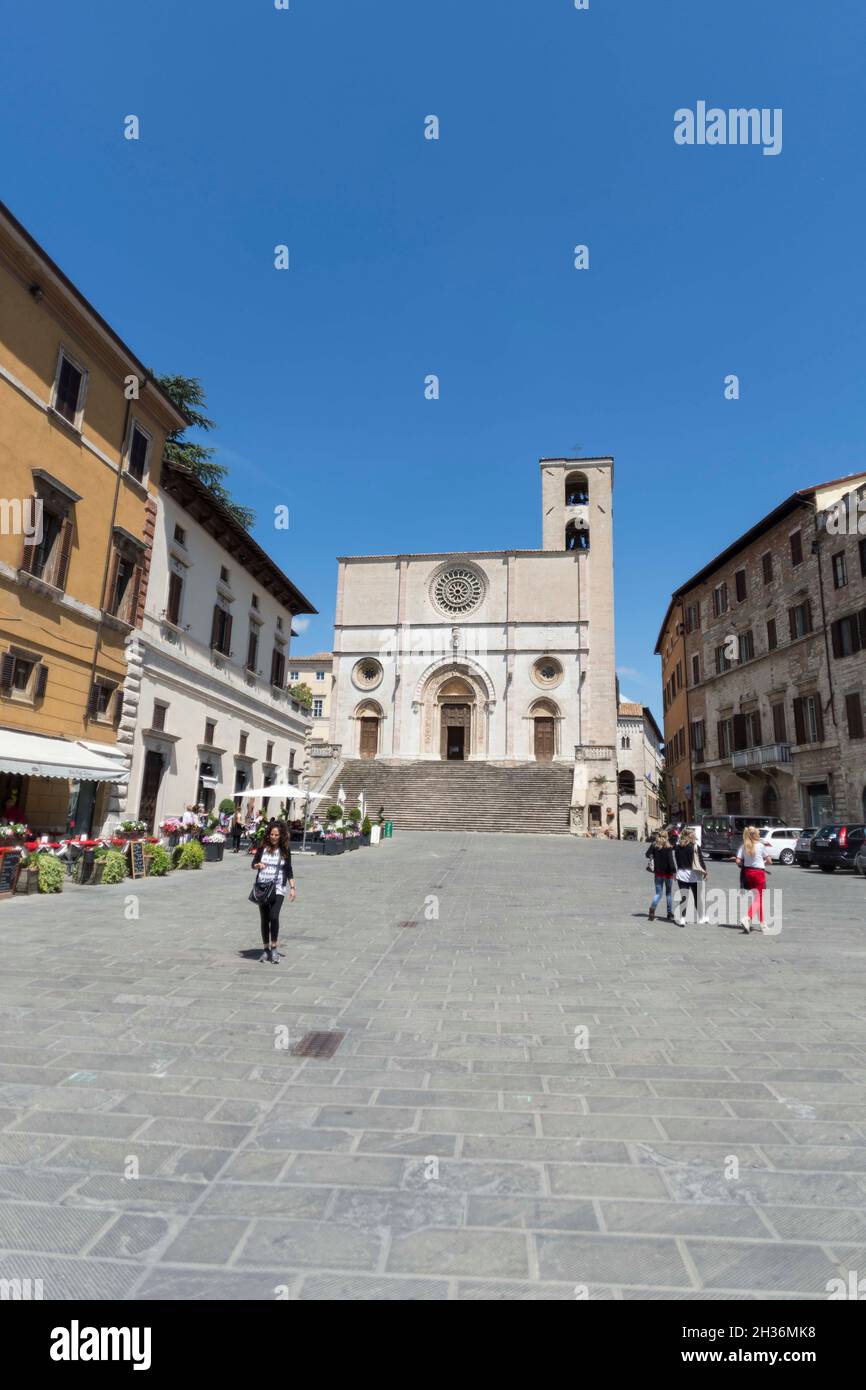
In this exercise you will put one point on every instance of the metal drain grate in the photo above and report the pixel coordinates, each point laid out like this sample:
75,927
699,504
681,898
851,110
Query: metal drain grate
318,1045
407,924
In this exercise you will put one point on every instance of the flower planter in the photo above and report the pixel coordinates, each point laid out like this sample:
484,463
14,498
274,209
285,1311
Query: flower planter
353,842
332,846
98,870
365,839
213,854
28,879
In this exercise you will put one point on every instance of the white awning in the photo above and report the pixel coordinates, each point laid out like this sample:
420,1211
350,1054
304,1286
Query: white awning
33,755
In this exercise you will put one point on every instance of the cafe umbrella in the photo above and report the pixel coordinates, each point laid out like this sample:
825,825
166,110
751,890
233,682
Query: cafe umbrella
287,791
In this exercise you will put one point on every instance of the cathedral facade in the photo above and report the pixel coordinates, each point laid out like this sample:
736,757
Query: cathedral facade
498,656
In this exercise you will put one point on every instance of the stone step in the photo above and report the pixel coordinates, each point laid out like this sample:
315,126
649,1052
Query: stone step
529,798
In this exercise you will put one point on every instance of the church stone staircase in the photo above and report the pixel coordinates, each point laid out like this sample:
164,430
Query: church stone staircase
527,798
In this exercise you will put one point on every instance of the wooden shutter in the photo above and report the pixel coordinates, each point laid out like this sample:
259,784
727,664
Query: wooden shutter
780,731
134,592
836,637
215,625
740,737
720,736
772,639
93,701
854,715
41,680
64,550
756,728
819,719
110,599
118,705
227,635
741,585
175,588
808,614
6,672
30,547
799,721
792,623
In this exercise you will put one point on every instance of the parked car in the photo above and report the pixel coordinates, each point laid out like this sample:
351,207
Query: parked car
860,859
723,835
803,847
836,846
783,843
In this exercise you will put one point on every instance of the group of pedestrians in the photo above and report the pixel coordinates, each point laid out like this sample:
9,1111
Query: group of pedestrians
676,860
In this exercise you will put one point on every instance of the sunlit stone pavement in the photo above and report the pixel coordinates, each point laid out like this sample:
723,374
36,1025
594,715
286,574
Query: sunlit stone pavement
707,1141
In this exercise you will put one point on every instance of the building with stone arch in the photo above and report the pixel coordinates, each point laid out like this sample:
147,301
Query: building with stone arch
498,659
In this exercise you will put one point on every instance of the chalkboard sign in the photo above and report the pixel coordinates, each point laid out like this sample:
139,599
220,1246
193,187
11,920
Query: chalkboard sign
136,858
10,862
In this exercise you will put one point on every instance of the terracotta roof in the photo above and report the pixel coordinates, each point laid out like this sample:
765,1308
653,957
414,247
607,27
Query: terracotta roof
632,710
316,656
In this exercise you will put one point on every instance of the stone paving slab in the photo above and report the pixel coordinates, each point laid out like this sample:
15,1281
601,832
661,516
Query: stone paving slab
538,1089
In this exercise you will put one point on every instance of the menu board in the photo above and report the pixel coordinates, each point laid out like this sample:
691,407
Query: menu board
10,862
136,857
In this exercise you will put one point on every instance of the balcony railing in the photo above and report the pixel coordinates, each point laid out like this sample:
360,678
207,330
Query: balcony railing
768,755
594,752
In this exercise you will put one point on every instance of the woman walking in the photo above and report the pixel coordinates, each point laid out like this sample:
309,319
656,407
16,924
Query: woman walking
237,831
752,855
691,871
664,868
273,864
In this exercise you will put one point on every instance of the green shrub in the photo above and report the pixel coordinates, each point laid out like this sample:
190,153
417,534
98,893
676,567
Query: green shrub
101,852
367,826
334,813
228,806
115,867
191,855
50,874
160,861
355,815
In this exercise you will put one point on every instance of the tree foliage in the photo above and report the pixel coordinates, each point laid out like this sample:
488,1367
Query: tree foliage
188,395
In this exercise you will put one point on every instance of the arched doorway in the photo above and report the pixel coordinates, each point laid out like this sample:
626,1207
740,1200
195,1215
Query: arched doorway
456,699
544,715
770,801
368,717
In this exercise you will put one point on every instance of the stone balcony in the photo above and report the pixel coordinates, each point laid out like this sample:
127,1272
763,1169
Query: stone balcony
768,755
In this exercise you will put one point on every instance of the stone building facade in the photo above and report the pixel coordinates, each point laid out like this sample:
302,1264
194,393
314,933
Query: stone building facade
772,636
496,656
206,710
640,760
316,672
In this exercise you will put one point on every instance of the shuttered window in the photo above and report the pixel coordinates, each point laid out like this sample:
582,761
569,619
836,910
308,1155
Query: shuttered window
854,715
796,548
175,591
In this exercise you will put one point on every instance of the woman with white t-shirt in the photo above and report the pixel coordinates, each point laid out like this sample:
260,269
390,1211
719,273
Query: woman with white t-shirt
752,855
273,864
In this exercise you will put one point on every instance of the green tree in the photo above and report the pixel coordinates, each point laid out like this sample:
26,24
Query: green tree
188,395
303,694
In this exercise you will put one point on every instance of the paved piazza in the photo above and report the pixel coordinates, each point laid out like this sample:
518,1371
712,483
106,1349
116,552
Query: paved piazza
458,1144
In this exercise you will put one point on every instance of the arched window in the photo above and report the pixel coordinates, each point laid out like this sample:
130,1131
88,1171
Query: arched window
627,784
576,490
625,742
576,537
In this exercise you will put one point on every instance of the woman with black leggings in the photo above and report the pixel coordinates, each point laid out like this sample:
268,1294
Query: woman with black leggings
273,864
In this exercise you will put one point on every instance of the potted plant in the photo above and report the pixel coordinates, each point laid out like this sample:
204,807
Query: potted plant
99,857
191,855
50,871
113,866
333,842
160,861
28,874
171,829
214,847
13,833
366,830
131,829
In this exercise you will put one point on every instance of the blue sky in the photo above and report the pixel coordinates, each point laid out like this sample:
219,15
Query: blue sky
410,257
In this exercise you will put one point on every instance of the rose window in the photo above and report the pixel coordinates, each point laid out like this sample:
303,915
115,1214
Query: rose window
458,591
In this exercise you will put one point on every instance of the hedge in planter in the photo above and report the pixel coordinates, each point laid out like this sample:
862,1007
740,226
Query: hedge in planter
50,873
114,867
191,855
160,861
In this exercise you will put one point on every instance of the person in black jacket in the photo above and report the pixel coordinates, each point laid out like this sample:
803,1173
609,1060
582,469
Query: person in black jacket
664,868
273,864
691,871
